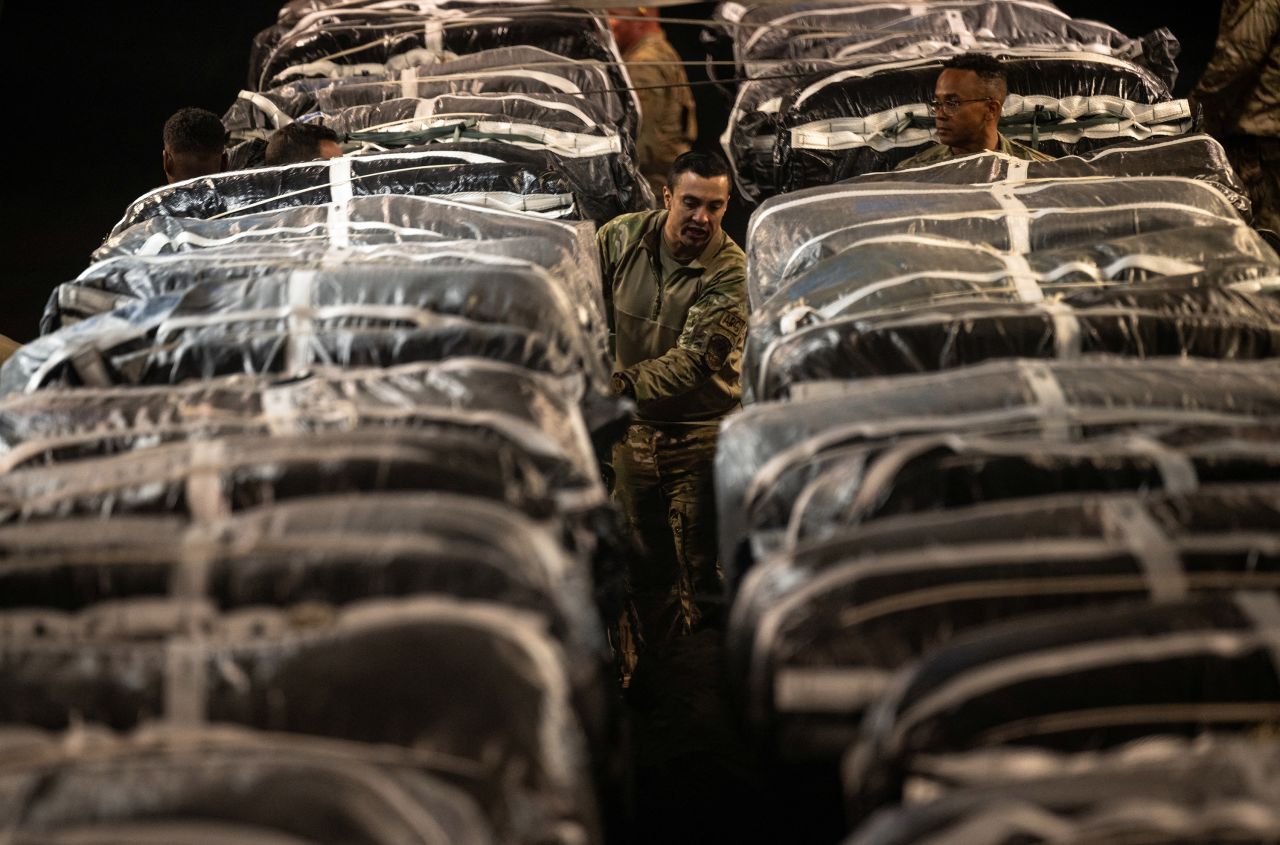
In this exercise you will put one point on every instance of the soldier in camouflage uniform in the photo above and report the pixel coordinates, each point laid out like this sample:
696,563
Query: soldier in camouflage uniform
967,100
675,287
1240,95
668,116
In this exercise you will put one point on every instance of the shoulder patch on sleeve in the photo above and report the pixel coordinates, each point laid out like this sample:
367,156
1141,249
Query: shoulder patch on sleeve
731,321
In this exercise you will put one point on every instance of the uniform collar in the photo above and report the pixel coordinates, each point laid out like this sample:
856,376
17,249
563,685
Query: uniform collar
653,242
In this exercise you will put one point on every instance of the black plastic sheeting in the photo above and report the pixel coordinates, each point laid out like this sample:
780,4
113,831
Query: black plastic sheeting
126,280
1162,789
952,471
554,111
517,69
899,275
289,322
383,36
328,549
171,254
511,403
603,185
1077,682
882,32
378,221
790,234
1190,156
1170,318
1097,100
264,190
231,474
818,631
508,711
204,786
770,452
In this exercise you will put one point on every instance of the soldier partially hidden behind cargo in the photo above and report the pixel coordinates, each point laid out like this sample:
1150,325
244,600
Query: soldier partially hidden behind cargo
675,287
668,116
1240,95
967,100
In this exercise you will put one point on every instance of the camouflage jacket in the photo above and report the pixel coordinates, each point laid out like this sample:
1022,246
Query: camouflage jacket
668,116
1240,89
941,152
676,331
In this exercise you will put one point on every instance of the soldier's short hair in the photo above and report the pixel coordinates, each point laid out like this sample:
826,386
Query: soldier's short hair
706,165
195,132
988,68
296,142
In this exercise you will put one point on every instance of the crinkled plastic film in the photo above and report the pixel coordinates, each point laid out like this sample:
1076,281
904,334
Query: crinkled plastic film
1216,786
109,785
786,40
1150,650
759,445
518,701
791,233
536,412
820,631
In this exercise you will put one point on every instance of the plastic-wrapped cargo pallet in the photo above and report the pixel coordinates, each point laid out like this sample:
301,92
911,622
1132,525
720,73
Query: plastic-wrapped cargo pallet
301,513
837,89
1002,498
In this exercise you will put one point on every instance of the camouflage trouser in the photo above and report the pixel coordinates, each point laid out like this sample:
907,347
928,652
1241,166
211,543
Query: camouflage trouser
663,484
1257,161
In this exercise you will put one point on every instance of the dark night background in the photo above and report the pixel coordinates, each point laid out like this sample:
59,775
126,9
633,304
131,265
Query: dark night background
90,85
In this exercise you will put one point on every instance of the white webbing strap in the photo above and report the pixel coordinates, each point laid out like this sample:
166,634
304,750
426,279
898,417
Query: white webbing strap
340,179
1025,282
338,224
955,22
1129,522
190,579
1263,610
301,328
185,688
1016,218
205,500
271,110
1050,400
433,36
1177,471
1016,170
409,83
1066,330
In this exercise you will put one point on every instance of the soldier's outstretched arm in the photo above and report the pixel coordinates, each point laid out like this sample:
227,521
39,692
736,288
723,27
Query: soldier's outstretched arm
715,328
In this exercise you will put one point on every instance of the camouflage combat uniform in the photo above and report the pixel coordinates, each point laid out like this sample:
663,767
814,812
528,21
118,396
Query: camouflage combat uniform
677,333
1240,95
941,152
668,116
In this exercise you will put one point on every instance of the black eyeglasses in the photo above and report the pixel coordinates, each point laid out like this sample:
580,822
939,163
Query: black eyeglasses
950,106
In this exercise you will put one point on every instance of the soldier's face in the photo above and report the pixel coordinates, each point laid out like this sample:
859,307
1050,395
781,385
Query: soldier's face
963,122
696,207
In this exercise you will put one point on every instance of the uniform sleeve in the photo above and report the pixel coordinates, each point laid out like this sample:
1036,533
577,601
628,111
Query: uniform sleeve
609,245
714,329
1245,34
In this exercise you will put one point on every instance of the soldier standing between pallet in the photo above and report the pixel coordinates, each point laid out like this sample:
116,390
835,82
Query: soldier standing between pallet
675,289
668,116
1240,95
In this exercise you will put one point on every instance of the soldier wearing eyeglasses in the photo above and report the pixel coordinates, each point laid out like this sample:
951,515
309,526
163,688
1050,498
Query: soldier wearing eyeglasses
967,100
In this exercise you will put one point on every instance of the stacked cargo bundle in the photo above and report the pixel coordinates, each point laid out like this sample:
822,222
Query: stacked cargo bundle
538,90
1005,493
837,89
302,533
